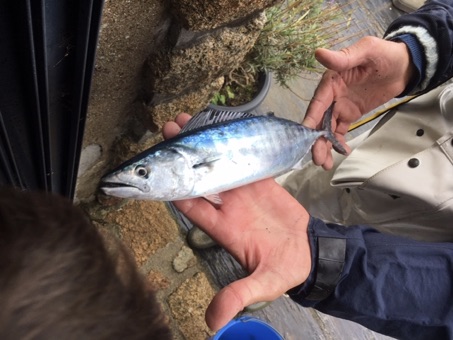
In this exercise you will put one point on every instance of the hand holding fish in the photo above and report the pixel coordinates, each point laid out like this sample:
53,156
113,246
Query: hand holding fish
359,78
264,228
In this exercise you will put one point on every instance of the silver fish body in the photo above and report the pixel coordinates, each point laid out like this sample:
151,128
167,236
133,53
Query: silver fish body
214,158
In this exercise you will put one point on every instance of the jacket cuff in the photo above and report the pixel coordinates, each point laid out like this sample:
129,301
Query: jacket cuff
422,46
418,60
328,255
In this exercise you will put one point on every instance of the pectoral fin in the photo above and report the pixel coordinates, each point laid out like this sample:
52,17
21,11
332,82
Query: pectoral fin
215,199
207,162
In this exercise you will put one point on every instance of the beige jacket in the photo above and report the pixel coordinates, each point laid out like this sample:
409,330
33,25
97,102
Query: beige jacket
398,178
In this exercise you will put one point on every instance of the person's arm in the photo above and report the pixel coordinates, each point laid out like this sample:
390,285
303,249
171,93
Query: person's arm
393,285
428,34
415,56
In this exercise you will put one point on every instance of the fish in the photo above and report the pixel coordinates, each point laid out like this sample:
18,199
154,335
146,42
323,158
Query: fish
216,151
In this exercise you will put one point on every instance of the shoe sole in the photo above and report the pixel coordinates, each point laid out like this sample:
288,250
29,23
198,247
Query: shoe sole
408,5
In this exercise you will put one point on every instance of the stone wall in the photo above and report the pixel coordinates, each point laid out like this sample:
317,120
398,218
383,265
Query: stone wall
157,58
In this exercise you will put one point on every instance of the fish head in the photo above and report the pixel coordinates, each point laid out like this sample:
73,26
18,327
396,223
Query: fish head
164,175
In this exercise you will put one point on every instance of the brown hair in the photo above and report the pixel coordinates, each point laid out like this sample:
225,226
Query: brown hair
57,280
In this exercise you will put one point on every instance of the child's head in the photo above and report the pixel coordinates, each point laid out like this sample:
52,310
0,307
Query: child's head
58,281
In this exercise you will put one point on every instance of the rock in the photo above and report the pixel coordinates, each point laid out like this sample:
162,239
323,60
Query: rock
201,15
89,156
130,31
109,201
157,280
198,239
186,68
145,227
184,259
191,103
126,147
188,305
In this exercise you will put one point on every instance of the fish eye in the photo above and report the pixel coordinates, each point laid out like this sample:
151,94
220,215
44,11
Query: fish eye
141,171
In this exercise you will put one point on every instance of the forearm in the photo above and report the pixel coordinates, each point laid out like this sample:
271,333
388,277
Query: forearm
393,285
428,33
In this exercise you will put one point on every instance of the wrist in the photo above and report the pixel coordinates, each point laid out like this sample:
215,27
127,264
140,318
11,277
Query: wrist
303,288
328,256
413,62
408,66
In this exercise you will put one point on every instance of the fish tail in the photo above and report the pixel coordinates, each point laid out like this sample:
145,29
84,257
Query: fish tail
327,127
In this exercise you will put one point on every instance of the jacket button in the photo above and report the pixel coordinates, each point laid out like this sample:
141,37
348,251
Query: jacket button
413,163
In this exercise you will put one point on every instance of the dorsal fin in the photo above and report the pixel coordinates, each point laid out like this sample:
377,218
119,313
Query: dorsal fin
211,116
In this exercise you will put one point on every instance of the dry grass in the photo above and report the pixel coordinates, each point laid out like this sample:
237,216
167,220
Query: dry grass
286,46
293,31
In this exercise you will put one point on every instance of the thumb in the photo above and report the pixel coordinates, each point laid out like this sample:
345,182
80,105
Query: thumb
333,60
347,58
232,299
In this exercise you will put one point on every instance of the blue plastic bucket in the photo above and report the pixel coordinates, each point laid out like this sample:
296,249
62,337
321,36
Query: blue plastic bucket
247,327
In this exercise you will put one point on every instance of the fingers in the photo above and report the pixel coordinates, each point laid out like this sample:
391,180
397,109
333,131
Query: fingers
322,154
171,129
182,119
199,211
232,299
203,214
322,99
333,60
225,306
322,151
348,57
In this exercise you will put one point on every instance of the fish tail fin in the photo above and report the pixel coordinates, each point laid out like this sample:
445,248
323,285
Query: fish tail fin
327,127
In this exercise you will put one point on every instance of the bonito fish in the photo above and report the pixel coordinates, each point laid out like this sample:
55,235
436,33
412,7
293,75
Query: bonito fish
216,151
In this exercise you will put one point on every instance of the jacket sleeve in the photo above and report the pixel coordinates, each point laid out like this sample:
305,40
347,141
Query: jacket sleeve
392,285
428,33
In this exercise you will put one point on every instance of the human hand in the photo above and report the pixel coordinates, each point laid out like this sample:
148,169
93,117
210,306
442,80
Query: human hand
264,228
359,78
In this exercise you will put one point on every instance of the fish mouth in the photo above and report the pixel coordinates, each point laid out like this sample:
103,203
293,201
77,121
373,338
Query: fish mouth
113,185
114,188
121,190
